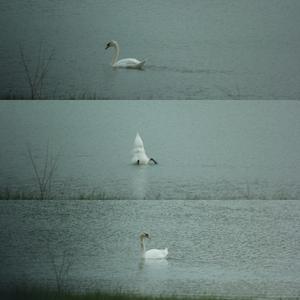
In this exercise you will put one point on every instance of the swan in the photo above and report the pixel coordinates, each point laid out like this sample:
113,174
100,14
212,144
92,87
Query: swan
152,253
139,154
131,63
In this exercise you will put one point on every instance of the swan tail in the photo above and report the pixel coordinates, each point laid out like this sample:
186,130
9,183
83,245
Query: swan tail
142,63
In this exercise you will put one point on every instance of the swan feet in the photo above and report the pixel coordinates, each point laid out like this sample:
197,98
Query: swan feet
151,159
154,161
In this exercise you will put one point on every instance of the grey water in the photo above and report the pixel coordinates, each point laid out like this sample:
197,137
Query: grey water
228,248
194,49
204,149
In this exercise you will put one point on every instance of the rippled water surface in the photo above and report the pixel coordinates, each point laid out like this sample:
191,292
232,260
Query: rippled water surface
215,247
194,49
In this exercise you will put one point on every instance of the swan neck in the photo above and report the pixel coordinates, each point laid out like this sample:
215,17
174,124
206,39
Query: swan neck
116,54
142,245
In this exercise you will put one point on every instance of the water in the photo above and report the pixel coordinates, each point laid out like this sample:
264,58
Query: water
194,49
248,248
206,149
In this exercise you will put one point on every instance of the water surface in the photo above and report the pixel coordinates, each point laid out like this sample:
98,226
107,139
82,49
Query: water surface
207,149
233,248
194,49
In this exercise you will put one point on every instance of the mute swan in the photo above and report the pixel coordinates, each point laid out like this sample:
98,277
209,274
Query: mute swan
125,62
139,154
152,253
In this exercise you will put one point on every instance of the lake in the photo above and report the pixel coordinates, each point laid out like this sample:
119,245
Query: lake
228,248
204,149
194,49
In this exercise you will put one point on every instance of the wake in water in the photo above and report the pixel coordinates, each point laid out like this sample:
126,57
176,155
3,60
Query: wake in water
187,70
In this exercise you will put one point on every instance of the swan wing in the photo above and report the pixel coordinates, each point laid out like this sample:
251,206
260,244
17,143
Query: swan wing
129,63
156,253
141,64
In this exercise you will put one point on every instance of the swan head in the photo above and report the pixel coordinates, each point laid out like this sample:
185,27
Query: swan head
144,235
110,44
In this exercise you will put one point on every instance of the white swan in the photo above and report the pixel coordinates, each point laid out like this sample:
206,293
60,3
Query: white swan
152,253
139,155
125,62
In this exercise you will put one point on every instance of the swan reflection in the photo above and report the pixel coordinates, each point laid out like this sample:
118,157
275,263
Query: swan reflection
153,264
139,183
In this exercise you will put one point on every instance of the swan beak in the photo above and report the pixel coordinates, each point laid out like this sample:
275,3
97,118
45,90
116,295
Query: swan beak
106,47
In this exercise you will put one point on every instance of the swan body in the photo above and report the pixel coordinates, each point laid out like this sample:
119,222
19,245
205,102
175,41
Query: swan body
130,63
152,253
139,155
156,253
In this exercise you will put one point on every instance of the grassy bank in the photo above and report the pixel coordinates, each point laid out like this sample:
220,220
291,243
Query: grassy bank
8,194
48,294
19,194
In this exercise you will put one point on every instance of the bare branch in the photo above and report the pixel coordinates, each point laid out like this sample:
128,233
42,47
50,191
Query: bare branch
45,180
44,71
27,72
46,163
40,183
53,167
37,69
36,81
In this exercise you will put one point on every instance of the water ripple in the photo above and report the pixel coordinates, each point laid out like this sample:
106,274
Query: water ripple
187,70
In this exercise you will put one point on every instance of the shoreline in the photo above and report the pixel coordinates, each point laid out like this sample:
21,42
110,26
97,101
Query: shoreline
20,293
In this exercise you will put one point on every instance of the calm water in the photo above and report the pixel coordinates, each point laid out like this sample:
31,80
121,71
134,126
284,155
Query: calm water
216,247
194,49
206,149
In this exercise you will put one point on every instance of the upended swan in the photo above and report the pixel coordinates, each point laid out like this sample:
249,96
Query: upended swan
152,253
139,155
131,63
